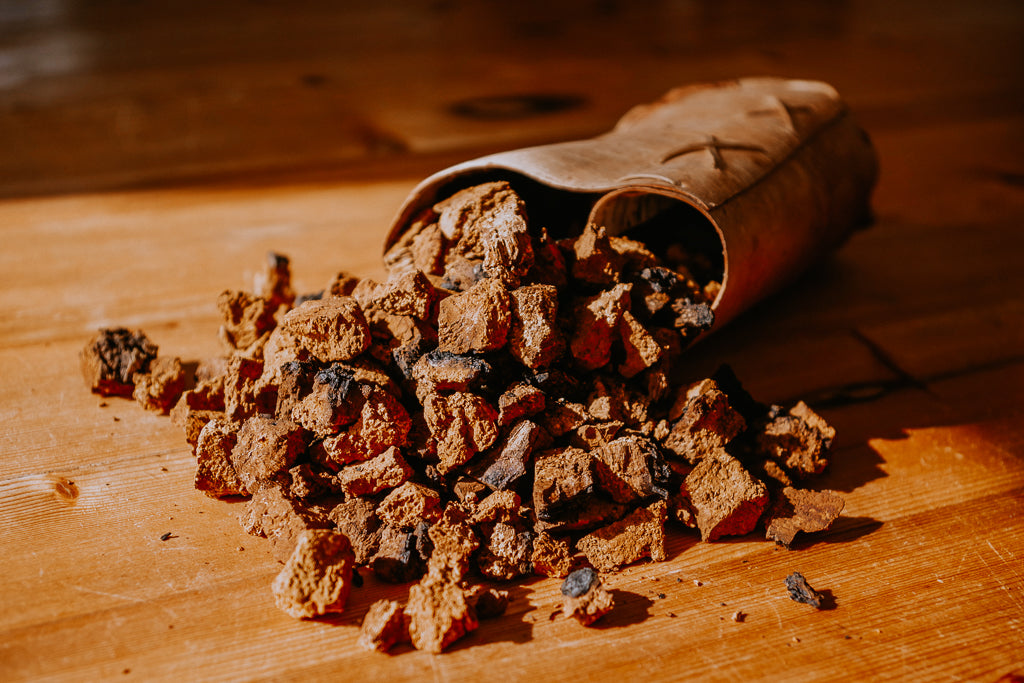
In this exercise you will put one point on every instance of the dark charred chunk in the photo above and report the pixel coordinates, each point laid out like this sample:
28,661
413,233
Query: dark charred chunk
446,371
801,591
579,582
402,555
112,357
295,383
691,317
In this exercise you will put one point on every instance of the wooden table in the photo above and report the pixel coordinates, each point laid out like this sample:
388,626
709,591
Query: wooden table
151,156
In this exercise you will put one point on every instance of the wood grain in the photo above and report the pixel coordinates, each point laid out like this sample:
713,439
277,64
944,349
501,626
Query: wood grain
152,155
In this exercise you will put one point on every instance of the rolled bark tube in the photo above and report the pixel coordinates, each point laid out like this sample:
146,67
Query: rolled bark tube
776,167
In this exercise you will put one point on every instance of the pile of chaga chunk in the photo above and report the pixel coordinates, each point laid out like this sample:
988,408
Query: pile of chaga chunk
500,406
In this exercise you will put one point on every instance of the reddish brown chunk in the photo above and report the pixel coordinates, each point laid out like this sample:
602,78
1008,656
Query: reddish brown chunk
317,577
630,469
381,472
799,440
215,475
161,386
274,513
642,349
518,401
551,556
727,499
596,326
265,447
638,535
596,262
795,510
534,339
505,465
563,479
476,320
332,328
410,504
706,424
247,319
462,424
384,626
358,520
439,612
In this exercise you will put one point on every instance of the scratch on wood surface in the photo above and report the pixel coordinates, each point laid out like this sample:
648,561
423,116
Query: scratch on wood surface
120,596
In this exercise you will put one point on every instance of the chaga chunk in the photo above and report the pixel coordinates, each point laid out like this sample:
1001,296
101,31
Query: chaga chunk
591,436
595,261
507,543
161,386
801,591
584,597
562,416
505,465
309,481
563,479
247,319
727,499
265,447
638,535
551,556
317,577
409,504
488,222
549,267
444,371
596,322
332,329
534,339
383,422
798,440
454,541
631,469
334,400
439,612
358,520
476,320
707,423
692,317
428,248
112,358
385,471
642,349
215,475
272,512
409,293
799,510
241,388
462,424
518,401
384,626
402,555
274,284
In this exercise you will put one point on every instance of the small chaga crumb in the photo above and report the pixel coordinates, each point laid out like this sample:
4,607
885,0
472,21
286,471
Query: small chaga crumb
161,387
409,504
552,556
358,520
462,424
384,626
402,554
488,602
518,401
534,339
638,535
507,543
317,577
215,475
439,612
727,499
801,591
585,599
798,440
800,510
707,422
384,471
247,319
596,326
112,358
332,329
739,616
476,320
275,282
265,447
